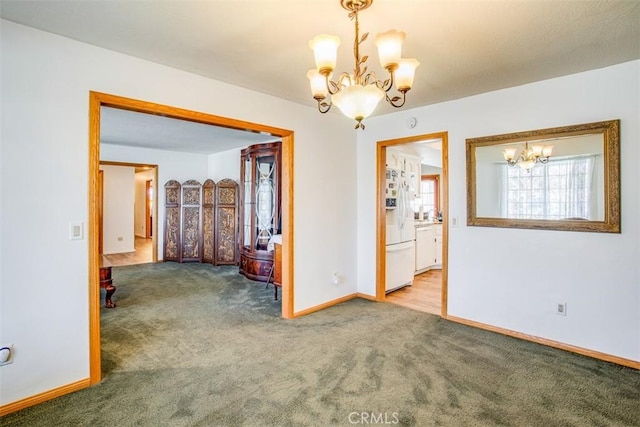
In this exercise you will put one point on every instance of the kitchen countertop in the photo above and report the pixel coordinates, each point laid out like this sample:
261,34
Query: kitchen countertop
424,223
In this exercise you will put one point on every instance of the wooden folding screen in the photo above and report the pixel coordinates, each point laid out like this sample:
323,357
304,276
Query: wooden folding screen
226,241
201,222
191,221
208,225
172,221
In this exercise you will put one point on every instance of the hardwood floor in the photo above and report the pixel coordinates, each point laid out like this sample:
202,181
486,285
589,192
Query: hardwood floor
141,255
424,295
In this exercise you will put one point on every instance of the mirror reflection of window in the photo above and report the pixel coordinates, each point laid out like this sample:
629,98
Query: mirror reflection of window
561,189
569,187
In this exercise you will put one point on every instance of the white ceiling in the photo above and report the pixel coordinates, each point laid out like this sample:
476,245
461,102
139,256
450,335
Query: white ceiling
465,47
122,127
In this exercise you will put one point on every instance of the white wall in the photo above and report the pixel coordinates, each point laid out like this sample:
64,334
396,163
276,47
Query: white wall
488,189
512,278
46,81
139,210
118,209
171,165
225,164
140,205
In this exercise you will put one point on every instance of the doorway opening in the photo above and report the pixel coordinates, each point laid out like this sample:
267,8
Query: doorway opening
426,211
98,100
132,241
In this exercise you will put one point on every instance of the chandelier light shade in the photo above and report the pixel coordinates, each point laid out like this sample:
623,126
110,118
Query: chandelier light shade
357,94
389,46
358,101
529,156
325,50
317,83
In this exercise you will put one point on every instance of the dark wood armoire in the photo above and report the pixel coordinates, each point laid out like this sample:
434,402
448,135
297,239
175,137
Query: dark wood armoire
260,215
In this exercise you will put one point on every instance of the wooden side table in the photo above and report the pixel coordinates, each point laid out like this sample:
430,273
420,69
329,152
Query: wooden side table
275,273
277,265
106,282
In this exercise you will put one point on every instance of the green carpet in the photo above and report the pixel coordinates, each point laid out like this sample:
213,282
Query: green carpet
197,345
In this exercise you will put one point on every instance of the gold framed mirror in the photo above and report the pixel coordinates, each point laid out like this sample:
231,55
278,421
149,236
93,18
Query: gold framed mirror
565,178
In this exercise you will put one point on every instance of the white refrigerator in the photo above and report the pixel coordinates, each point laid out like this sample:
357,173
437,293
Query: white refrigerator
400,243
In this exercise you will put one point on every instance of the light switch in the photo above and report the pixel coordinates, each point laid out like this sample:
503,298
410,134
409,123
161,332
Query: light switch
76,231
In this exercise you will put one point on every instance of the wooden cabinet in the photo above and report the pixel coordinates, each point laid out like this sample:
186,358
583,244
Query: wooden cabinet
438,228
410,165
425,247
394,159
413,170
428,247
277,268
260,217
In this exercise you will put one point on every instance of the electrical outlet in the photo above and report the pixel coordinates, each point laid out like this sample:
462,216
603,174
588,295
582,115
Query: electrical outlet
336,279
561,308
6,354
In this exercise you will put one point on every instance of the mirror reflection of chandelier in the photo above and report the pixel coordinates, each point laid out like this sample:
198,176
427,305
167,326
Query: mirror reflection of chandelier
529,156
358,94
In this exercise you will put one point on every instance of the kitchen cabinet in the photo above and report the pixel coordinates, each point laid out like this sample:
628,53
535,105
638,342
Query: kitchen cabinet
394,159
428,247
410,164
425,247
413,169
438,228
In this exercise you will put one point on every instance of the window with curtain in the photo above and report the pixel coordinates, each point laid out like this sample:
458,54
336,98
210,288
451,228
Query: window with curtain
428,196
560,189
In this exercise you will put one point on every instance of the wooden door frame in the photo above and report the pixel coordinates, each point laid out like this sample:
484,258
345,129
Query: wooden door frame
148,222
98,100
100,211
381,223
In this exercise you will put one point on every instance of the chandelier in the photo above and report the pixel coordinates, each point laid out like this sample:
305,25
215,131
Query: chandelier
358,94
529,156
